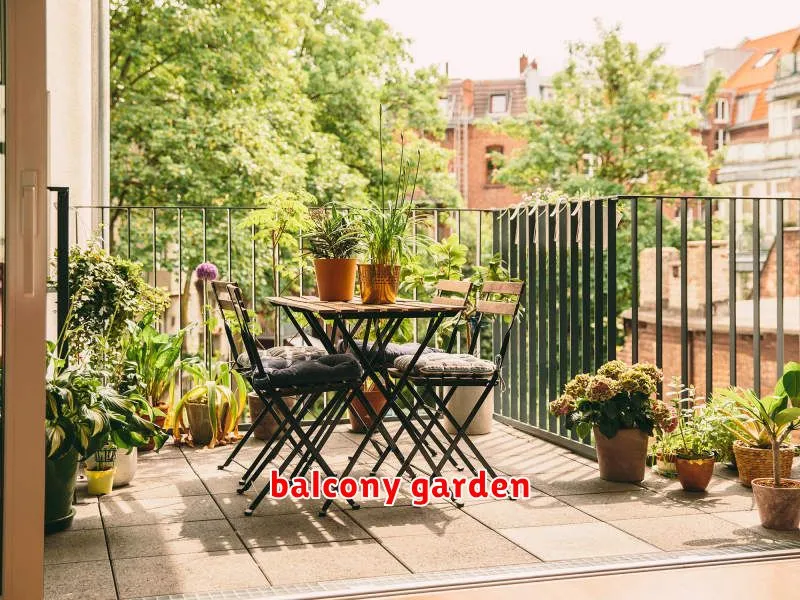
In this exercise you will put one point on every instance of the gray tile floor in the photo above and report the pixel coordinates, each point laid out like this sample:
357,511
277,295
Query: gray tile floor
180,528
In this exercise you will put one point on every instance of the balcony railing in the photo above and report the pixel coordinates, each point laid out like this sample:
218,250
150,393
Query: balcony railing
636,277
762,151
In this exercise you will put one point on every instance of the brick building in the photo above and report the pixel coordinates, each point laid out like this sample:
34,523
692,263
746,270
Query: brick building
468,102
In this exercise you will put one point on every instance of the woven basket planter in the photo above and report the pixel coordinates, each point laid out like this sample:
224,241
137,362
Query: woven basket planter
755,463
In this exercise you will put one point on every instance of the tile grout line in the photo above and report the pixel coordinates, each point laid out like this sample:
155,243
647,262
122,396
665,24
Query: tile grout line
108,549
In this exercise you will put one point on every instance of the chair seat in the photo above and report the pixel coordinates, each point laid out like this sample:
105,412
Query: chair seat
448,366
392,352
291,354
327,369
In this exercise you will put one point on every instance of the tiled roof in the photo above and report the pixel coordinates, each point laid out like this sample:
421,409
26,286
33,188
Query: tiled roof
751,79
484,89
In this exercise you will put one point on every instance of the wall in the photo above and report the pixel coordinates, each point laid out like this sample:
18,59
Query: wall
791,266
481,193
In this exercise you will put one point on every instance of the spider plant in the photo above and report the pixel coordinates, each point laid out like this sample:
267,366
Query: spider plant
219,387
332,235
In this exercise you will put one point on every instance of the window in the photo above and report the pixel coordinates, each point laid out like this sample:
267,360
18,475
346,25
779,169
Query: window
765,58
784,118
744,107
498,104
492,163
721,139
444,106
721,110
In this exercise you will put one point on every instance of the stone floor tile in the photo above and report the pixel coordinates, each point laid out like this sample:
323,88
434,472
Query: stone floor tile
172,538
751,521
167,451
119,512
79,581
581,540
529,512
87,515
234,505
580,480
456,551
75,546
688,532
530,465
155,486
634,504
187,573
723,495
332,560
300,528
394,521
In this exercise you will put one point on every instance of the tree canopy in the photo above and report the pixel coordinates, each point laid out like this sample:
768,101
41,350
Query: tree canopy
615,124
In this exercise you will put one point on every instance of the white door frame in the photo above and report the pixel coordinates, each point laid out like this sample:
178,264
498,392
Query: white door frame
24,322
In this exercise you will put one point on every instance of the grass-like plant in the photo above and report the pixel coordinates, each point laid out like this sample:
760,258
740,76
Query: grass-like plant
332,235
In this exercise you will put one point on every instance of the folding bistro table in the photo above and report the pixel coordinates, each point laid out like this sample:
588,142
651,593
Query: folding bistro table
379,322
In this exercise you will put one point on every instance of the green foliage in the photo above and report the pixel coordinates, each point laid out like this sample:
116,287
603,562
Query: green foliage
613,126
219,387
85,414
694,436
106,292
445,259
332,235
716,411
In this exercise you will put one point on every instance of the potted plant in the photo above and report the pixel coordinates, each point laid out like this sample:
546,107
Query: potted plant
212,406
663,451
376,400
618,405
333,242
777,497
101,474
694,454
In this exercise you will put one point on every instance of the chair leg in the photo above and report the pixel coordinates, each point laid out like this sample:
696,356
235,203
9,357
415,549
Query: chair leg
244,439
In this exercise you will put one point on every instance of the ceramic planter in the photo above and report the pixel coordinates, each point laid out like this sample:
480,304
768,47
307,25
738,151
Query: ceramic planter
125,464
336,279
623,457
695,473
779,508
462,403
268,426
379,283
199,423
59,490
376,400
100,482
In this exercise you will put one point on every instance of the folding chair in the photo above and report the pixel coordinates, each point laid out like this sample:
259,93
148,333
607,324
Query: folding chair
497,298
273,379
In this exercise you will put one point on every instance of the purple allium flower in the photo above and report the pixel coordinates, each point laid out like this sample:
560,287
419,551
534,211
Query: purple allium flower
207,271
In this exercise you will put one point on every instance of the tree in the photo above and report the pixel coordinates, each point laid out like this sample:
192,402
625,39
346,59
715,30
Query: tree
614,125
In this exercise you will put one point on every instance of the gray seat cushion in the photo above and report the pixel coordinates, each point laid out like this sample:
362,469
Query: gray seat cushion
291,354
330,368
447,365
392,352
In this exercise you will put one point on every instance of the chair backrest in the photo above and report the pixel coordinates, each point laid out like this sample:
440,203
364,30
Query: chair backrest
453,293
499,298
229,298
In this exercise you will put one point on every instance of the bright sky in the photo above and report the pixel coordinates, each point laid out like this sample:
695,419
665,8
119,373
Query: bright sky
483,39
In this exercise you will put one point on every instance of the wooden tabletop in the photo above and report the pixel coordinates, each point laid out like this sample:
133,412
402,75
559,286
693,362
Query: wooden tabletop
355,309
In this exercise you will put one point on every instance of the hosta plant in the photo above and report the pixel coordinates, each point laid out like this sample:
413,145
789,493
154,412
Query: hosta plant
219,388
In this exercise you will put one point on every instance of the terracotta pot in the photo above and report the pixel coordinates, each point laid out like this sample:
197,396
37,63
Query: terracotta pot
695,473
376,400
199,423
268,425
623,457
159,420
379,283
756,463
336,278
779,508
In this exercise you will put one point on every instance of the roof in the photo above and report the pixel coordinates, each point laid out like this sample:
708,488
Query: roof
483,89
751,79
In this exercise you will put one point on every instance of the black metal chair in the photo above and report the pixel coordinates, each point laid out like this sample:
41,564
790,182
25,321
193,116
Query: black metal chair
273,379
496,299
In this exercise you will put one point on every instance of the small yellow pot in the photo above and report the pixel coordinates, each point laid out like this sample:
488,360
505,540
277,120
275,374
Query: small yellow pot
100,482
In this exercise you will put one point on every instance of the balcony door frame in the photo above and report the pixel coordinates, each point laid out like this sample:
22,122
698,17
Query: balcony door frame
24,287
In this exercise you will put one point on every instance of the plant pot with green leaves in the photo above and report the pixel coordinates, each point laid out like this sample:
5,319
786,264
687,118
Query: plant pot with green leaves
209,412
619,406
663,453
333,242
83,414
694,448
101,476
777,497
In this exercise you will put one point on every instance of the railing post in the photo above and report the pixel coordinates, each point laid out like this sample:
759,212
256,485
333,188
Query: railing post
62,262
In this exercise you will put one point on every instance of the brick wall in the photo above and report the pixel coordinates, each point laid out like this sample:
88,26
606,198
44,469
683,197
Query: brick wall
481,193
791,266
758,133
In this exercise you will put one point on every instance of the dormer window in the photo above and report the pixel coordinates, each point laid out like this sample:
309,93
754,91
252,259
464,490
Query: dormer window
498,104
765,58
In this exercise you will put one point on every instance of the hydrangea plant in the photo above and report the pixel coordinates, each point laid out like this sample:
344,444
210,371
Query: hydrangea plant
616,397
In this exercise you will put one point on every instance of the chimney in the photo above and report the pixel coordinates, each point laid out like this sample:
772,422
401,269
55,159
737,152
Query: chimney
532,80
468,97
523,64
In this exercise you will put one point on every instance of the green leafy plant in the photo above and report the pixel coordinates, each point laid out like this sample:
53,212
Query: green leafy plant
693,435
615,397
332,235
152,361
716,411
222,389
445,259
85,414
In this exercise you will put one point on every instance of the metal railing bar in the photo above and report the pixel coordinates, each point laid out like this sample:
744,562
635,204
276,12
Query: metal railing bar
684,292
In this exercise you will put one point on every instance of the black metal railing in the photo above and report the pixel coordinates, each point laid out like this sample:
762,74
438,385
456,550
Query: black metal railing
642,278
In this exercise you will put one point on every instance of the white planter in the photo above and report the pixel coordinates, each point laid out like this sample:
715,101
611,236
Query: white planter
125,465
462,403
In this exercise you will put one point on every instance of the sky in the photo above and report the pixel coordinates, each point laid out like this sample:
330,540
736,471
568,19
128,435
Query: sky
484,39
